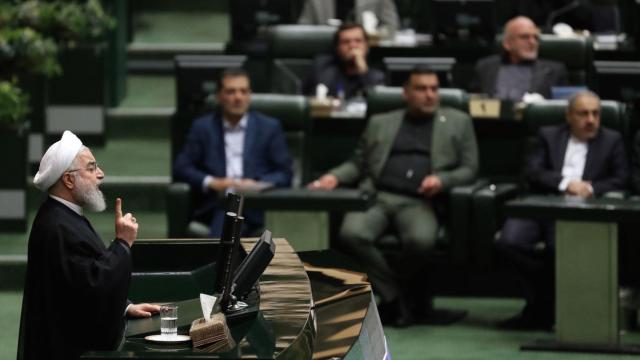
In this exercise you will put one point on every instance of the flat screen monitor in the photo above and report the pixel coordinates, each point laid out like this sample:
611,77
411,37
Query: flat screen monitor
253,265
473,20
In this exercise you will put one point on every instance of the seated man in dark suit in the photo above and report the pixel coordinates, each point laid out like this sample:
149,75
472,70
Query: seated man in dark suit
232,149
518,70
579,159
347,72
408,157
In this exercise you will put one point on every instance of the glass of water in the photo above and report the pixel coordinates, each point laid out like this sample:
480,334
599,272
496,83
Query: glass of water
168,320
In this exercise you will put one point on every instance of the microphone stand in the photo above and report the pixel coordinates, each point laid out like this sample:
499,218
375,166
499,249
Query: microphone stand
559,12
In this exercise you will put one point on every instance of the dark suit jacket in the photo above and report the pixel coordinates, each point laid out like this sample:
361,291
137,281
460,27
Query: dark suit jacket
265,158
454,152
327,71
545,74
606,164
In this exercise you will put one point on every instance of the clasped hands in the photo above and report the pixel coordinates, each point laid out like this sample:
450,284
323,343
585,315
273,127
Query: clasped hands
430,186
223,183
579,188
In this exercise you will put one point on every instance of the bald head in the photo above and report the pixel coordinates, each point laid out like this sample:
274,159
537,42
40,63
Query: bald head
520,39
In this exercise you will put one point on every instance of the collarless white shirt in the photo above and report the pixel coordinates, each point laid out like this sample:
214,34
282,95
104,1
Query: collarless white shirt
575,157
75,207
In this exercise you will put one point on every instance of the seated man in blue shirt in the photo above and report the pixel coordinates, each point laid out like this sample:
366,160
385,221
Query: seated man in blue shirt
230,149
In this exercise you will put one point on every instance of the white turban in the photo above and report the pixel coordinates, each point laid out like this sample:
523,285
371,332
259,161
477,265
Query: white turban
57,160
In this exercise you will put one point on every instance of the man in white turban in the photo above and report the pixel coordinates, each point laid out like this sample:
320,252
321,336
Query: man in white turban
75,294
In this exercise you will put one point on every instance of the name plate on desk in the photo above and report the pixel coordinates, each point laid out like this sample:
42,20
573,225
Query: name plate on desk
484,108
322,107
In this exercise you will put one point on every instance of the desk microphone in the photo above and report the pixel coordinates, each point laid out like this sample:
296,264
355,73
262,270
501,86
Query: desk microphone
559,12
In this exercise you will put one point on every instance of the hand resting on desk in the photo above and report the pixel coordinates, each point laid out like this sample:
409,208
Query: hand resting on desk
142,310
325,182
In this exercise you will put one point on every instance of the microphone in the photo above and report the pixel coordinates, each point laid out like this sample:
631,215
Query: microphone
559,12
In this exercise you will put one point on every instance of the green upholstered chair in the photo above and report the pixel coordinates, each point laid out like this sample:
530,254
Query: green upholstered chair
292,49
575,52
293,113
487,202
387,98
398,68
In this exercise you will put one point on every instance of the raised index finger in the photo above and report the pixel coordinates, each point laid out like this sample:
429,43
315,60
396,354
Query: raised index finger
118,208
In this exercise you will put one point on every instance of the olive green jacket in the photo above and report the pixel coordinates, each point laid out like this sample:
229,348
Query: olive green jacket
454,152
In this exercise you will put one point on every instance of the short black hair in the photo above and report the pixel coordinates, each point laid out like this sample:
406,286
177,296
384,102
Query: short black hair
231,72
348,26
420,70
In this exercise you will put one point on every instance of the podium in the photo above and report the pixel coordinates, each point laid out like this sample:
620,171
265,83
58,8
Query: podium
302,305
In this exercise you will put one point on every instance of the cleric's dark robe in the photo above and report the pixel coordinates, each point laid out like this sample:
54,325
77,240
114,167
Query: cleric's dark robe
75,290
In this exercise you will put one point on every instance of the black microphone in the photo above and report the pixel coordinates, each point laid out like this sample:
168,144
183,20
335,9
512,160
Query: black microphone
559,12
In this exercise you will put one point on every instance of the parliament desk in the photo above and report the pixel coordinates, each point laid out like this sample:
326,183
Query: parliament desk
586,252
318,309
305,216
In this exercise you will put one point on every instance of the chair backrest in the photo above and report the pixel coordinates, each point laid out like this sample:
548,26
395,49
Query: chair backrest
300,41
291,50
575,52
294,115
386,98
613,115
398,68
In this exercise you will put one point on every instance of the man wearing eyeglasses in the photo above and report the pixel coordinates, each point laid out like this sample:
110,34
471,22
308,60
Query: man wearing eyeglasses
75,294
518,70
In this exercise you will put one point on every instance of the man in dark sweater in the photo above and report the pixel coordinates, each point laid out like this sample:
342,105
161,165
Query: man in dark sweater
407,157
75,294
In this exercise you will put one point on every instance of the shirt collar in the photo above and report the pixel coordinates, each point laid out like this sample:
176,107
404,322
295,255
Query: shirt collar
575,141
242,124
75,207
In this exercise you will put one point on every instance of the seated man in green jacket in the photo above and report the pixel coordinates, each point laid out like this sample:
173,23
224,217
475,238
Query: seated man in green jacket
408,158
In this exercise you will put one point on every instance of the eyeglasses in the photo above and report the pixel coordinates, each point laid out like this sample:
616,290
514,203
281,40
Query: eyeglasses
91,167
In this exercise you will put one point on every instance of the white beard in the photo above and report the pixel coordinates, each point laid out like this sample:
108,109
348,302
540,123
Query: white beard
89,196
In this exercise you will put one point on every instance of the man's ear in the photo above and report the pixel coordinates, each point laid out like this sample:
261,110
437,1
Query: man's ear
405,90
68,180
